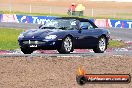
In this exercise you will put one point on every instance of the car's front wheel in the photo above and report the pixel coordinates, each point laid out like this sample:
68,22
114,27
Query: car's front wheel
26,50
67,45
101,46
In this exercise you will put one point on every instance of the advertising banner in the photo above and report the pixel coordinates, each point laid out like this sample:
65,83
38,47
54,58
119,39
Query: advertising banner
9,18
34,19
0,17
100,22
120,23
108,23
25,19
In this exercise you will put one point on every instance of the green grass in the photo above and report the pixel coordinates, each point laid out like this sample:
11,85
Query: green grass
8,39
31,14
116,44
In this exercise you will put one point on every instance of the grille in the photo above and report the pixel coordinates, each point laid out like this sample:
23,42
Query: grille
33,42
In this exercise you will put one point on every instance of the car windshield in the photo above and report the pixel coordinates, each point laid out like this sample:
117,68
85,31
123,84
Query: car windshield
65,24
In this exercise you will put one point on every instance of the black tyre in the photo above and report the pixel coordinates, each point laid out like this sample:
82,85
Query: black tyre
66,46
26,50
101,46
81,80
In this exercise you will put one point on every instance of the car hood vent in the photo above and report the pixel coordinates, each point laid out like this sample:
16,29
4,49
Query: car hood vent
39,32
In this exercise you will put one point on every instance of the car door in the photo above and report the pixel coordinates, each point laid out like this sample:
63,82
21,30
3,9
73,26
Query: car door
88,35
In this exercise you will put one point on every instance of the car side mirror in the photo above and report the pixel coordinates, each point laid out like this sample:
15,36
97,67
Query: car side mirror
84,27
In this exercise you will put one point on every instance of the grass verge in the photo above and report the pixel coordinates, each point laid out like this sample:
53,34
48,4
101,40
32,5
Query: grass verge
8,38
65,15
116,44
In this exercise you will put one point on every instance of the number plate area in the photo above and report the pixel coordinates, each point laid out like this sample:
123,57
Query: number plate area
33,46
33,43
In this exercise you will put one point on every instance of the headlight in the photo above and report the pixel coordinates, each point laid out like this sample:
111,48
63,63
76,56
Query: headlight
50,37
21,36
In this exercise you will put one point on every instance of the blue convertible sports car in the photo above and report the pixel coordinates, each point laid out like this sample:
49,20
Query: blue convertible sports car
64,35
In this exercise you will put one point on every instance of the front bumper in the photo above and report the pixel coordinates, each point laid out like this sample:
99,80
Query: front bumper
40,44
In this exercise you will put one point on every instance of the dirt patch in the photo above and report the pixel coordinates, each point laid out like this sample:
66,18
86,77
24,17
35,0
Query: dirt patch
64,3
93,9
37,72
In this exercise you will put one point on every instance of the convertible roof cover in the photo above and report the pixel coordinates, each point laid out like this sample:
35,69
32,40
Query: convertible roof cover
80,19
77,18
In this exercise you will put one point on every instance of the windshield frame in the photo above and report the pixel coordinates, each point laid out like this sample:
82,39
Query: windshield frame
64,24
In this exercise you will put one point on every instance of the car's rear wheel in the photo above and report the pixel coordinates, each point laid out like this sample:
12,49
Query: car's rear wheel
26,50
101,46
67,45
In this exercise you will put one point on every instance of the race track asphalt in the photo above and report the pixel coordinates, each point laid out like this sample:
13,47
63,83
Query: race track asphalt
122,34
